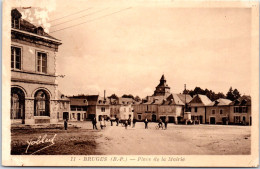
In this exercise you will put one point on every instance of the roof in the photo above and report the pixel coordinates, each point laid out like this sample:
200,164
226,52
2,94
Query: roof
163,78
182,97
78,102
29,27
242,101
62,97
93,99
220,102
199,98
122,100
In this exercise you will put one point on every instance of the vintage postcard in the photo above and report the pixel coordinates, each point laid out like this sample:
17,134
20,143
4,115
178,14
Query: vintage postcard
130,83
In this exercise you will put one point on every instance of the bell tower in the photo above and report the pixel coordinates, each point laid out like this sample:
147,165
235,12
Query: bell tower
162,89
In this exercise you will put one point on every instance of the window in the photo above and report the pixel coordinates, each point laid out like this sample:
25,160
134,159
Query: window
73,108
15,58
41,62
41,104
58,115
17,103
244,109
236,109
15,23
213,111
73,115
220,111
196,109
103,109
139,117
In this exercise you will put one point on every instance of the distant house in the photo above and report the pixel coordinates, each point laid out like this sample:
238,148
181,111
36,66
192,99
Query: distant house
171,109
63,107
198,107
121,108
218,111
240,111
98,106
78,109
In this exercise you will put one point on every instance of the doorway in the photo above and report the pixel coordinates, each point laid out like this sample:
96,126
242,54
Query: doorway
171,119
153,118
212,120
65,115
78,116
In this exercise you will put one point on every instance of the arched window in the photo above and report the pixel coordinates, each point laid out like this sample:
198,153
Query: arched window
41,104
17,103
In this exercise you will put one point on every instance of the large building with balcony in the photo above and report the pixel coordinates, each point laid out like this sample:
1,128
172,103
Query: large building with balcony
34,94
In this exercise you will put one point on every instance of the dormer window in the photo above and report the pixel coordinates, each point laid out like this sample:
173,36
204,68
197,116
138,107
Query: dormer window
16,23
16,16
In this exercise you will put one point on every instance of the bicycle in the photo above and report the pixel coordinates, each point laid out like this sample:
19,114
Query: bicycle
157,127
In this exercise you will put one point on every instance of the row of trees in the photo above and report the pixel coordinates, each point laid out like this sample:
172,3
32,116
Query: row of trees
231,94
136,98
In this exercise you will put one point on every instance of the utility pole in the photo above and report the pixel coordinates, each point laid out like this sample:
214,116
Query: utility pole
185,96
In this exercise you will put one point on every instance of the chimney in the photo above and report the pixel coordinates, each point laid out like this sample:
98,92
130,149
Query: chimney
104,94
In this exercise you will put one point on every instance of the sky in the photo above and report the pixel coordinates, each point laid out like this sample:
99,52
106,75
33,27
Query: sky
125,49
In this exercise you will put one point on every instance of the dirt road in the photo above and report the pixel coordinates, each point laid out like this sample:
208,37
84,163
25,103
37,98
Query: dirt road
176,140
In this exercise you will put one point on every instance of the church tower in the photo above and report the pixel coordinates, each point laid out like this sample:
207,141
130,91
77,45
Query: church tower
162,89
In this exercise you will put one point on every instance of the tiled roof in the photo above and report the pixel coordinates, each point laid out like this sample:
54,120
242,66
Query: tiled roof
182,97
220,102
242,101
62,96
199,98
29,27
78,102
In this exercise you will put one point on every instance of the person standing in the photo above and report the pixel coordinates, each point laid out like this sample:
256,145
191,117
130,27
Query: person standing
146,123
66,124
94,123
129,121
165,123
117,121
134,121
126,124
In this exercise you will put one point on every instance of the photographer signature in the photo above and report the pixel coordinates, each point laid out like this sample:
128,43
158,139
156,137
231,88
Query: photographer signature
41,140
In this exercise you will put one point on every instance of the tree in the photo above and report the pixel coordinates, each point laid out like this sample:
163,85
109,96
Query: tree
128,96
137,98
230,94
113,96
236,94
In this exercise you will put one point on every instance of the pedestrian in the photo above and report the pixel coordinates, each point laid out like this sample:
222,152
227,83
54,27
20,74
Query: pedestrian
165,124
129,121
94,123
160,123
134,121
146,123
66,124
126,124
102,123
111,121
117,121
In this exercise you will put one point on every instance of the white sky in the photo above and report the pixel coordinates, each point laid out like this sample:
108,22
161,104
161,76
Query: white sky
127,52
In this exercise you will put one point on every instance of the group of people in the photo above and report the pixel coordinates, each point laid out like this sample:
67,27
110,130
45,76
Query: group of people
160,123
126,123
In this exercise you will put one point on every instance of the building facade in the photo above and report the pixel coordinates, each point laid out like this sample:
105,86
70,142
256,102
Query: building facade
78,109
217,112
240,111
198,108
121,108
33,73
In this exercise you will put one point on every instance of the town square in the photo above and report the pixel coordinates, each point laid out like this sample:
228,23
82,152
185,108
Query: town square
94,79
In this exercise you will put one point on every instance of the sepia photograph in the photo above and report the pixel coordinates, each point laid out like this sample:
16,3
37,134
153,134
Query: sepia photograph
139,83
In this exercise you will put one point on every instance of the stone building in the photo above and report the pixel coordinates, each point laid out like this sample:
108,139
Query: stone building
33,73
78,109
121,108
240,111
162,105
217,112
198,108
63,108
